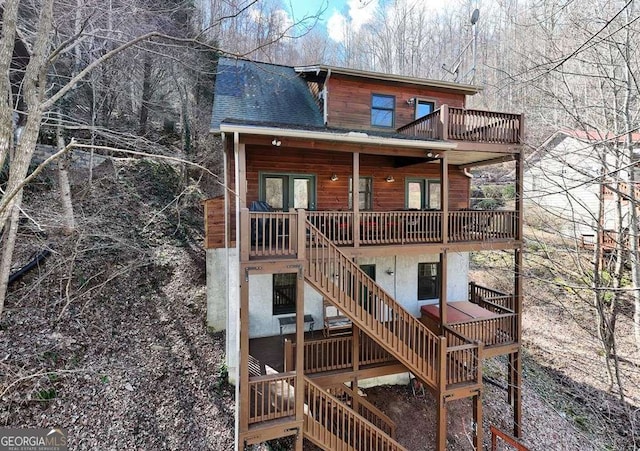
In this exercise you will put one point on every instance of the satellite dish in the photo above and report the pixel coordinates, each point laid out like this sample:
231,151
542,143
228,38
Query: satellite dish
475,15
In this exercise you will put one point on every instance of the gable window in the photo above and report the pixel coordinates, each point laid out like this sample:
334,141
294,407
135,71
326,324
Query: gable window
365,192
424,107
423,194
382,110
428,280
285,191
284,293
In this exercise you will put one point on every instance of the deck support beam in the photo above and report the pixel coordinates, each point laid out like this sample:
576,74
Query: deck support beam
243,414
477,421
441,424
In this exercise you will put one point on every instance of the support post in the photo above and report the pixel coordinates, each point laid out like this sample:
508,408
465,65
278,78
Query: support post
443,290
441,420
444,197
517,395
477,420
244,353
355,195
299,393
444,121
355,350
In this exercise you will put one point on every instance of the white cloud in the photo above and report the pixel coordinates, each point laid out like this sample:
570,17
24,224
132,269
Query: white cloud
361,12
337,27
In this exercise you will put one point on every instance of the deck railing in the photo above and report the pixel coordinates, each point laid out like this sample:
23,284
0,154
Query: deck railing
271,397
487,297
336,353
330,423
497,331
275,234
463,359
623,190
365,409
450,123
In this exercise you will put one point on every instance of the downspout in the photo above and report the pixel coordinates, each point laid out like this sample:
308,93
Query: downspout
236,141
325,101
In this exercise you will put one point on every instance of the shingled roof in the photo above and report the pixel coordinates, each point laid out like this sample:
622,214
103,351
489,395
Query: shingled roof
263,93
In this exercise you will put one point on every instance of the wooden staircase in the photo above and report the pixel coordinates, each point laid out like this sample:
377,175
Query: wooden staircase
377,314
330,424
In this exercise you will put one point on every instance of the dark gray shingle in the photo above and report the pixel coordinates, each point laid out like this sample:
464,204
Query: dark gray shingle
261,92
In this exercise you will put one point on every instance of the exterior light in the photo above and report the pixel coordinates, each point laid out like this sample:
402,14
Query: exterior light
334,177
390,179
276,142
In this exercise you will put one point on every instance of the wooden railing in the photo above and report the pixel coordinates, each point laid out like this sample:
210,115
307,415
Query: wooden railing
369,307
330,424
450,123
497,331
275,234
271,397
365,409
463,359
269,234
332,354
482,225
336,224
487,297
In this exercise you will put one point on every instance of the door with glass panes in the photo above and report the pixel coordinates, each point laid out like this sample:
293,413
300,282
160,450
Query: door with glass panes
286,191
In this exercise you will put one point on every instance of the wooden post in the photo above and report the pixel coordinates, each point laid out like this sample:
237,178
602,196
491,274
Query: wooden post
355,196
443,289
355,341
441,420
245,235
299,393
444,197
520,194
244,353
517,395
301,235
444,121
288,356
477,420
242,173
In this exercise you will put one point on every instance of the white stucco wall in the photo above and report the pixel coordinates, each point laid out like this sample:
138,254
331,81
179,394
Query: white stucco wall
223,301
402,285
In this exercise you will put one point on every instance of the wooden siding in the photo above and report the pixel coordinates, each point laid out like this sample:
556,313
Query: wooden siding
350,101
335,195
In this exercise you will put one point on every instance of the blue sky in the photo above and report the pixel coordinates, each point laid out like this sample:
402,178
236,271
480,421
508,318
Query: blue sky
339,15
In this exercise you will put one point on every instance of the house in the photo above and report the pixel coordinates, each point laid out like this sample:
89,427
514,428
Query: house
570,176
338,256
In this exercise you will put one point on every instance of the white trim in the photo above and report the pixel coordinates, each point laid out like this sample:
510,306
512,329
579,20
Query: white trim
349,137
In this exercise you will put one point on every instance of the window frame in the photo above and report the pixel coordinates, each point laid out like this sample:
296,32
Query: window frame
392,109
436,279
423,100
425,188
284,308
288,187
369,197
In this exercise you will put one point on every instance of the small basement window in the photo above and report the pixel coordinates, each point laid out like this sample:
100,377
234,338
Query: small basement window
284,293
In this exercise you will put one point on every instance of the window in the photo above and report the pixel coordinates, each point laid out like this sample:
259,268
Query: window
423,194
365,191
284,293
428,280
284,191
382,110
424,107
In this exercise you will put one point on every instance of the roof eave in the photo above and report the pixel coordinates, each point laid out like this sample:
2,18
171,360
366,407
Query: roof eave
438,84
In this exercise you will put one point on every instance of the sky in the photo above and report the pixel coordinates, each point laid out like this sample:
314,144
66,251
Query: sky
340,14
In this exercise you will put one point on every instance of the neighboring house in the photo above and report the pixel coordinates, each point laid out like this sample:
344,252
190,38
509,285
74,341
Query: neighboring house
320,281
564,178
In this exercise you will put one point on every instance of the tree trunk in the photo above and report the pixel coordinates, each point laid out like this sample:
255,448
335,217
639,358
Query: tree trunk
69,222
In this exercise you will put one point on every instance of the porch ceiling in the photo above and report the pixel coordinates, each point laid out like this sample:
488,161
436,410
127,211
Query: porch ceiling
408,151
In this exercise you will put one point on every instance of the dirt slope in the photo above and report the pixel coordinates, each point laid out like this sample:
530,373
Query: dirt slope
107,338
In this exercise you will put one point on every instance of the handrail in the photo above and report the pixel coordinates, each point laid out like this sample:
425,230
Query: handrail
374,311
331,424
365,409
461,124
271,397
498,330
479,295
336,353
463,359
